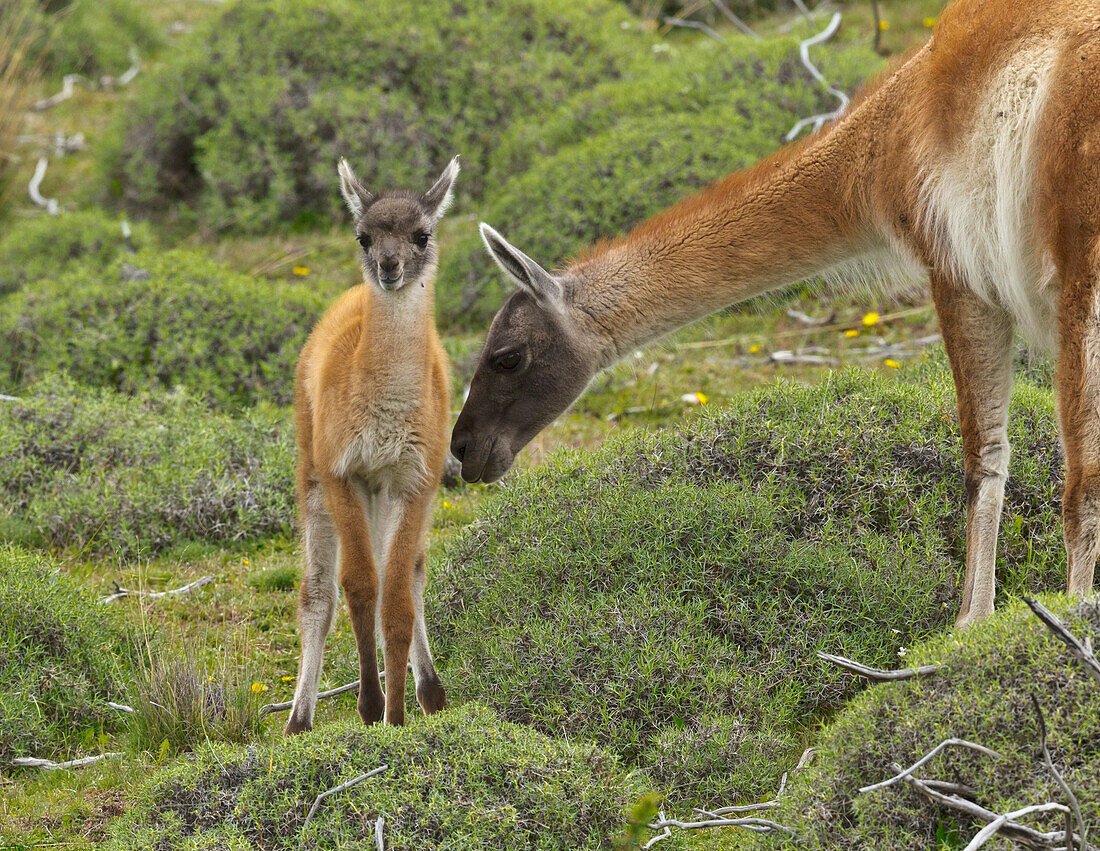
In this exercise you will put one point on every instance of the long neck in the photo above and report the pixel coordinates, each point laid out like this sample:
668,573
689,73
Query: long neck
397,327
781,221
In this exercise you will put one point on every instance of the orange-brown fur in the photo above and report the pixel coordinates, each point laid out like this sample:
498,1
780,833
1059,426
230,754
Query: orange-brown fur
372,408
976,162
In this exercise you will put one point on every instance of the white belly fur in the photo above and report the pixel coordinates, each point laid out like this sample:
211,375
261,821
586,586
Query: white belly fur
981,198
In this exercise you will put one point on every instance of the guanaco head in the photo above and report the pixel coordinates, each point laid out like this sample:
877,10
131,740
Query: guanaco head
538,358
396,230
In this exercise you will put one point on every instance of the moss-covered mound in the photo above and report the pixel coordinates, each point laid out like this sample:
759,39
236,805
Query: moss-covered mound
48,246
982,694
460,779
107,473
156,320
60,659
245,124
616,154
666,595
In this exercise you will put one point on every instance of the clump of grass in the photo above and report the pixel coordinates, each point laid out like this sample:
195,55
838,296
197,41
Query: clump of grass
61,659
284,577
18,68
666,594
459,779
179,703
983,694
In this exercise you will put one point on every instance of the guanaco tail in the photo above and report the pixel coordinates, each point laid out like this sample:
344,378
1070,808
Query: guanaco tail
372,408
976,165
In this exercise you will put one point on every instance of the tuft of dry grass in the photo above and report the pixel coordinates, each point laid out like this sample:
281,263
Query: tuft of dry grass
19,67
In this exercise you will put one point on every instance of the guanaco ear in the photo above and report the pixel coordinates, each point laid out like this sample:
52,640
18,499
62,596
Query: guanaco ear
355,194
437,199
538,283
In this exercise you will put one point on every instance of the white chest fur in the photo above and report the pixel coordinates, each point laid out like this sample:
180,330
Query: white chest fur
387,451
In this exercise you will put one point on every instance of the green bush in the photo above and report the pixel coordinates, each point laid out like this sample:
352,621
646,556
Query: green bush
49,246
246,122
982,694
101,472
666,595
615,155
94,37
157,320
460,779
61,659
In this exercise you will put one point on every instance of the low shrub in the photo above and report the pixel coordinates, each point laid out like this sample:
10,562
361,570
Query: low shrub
158,320
615,155
61,659
95,37
245,123
49,246
460,779
666,595
105,473
983,693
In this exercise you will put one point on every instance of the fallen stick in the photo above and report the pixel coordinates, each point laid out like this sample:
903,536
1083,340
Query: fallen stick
50,765
33,188
268,708
877,674
317,801
378,825
121,707
903,774
694,25
806,319
121,592
1056,774
1080,651
660,837
804,52
732,18
68,86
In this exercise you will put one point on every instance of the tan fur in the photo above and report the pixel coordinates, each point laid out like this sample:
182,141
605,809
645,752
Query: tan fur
977,161
372,408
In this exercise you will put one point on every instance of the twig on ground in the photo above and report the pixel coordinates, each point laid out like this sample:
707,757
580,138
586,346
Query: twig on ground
121,592
6,398
379,824
787,356
284,706
1080,651
988,832
694,25
1073,803
660,837
68,86
317,801
50,765
34,189
810,320
718,817
962,743
121,707
806,758
878,674
721,6
804,51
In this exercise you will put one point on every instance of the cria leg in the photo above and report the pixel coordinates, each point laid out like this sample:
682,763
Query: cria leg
430,693
317,597
978,338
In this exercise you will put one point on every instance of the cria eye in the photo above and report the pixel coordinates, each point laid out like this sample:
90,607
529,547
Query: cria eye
508,361
422,239
364,241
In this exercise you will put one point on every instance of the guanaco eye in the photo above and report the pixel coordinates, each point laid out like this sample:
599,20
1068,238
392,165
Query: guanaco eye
507,362
422,239
364,241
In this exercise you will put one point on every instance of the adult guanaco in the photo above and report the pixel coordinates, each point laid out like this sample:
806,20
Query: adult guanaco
372,408
976,163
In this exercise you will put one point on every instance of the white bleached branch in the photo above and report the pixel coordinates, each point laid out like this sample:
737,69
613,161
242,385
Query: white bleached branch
335,789
121,592
903,774
50,765
804,52
877,674
34,189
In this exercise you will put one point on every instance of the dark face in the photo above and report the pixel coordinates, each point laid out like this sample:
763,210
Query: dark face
396,235
532,368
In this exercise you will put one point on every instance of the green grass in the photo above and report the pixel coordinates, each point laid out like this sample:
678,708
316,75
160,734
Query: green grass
666,594
61,660
461,779
101,473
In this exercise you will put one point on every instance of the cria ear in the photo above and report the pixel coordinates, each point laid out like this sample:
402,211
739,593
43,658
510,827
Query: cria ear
356,195
536,281
437,199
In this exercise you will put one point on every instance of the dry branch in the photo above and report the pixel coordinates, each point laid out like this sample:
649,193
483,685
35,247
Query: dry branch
379,824
50,765
804,51
878,674
805,319
721,6
1080,651
317,801
660,837
121,707
34,189
694,25
903,774
285,705
717,817
68,86
121,592
1075,806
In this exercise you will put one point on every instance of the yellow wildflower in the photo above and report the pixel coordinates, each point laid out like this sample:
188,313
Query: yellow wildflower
851,332
702,398
286,679
929,22
871,319
446,504
754,348
300,270
893,364
258,688
884,25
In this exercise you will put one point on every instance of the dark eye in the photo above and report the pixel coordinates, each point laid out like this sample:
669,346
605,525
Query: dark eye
422,239
507,362
364,241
